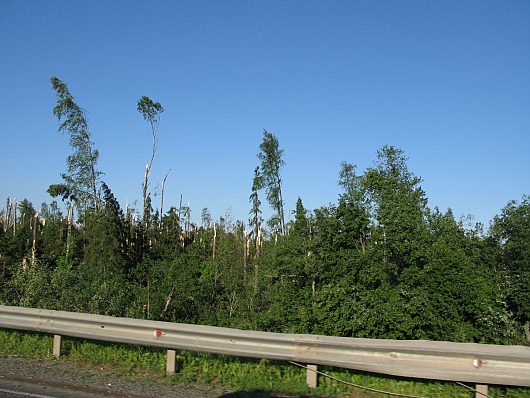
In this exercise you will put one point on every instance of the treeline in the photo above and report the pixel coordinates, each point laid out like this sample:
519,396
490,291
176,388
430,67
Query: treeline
379,263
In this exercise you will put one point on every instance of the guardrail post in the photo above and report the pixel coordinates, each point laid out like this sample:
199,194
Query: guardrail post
482,391
56,345
171,361
312,376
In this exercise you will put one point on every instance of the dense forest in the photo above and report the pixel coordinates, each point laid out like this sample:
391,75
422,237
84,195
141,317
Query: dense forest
378,263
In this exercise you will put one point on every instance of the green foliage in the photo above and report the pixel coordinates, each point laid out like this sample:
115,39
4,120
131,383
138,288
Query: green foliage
82,176
62,190
25,344
512,231
256,220
239,374
149,109
271,157
377,264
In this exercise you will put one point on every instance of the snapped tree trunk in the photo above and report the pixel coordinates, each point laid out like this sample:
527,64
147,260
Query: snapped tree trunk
214,240
14,216
33,246
162,199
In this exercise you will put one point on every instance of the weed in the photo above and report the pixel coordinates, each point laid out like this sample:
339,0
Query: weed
240,374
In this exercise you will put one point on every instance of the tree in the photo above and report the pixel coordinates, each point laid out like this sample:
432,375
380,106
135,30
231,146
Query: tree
61,190
270,156
399,205
512,231
103,269
206,218
255,212
353,210
82,176
301,222
150,111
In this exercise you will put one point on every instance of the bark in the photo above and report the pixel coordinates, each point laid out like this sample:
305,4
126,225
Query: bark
162,199
14,216
144,197
214,240
33,246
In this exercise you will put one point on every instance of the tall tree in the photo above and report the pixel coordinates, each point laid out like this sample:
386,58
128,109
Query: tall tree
353,209
399,205
150,111
82,176
512,231
271,157
255,212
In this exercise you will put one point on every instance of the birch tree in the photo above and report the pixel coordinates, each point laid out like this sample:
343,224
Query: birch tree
271,157
82,176
150,111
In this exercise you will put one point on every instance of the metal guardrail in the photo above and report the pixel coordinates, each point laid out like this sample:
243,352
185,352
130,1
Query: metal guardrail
464,362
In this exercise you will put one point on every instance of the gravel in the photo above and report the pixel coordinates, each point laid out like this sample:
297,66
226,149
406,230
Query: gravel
112,382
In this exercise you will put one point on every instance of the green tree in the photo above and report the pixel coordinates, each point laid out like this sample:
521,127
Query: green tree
255,211
353,210
53,232
150,111
271,157
103,270
399,205
81,178
511,229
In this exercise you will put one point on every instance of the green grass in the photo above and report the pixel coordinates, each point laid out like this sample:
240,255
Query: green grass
239,374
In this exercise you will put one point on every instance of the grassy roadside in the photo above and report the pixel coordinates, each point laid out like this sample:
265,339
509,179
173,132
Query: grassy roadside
239,374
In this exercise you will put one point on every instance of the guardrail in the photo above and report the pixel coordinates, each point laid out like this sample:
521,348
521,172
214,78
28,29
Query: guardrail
464,362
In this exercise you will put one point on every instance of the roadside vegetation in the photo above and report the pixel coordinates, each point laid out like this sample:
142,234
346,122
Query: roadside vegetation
239,374
378,263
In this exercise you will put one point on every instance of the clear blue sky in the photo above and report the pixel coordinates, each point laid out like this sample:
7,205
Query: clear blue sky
446,81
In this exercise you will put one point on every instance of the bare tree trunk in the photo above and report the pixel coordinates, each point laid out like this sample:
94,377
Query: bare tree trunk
232,306
148,300
70,215
8,214
14,216
256,272
33,246
169,297
282,215
144,196
188,226
214,240
179,218
162,199
94,175
258,242
245,254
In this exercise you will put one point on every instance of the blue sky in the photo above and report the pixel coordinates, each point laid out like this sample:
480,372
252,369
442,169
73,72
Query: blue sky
448,82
